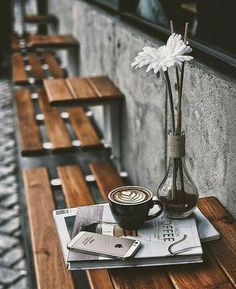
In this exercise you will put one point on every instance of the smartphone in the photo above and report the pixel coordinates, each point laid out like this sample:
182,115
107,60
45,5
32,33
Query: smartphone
103,245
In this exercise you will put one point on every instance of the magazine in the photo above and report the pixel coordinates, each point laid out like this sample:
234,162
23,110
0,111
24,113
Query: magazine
165,241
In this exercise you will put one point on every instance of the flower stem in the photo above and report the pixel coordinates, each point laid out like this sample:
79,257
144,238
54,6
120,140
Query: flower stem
180,91
171,100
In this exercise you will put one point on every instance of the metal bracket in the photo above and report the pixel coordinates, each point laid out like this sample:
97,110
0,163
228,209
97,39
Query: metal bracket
73,60
112,131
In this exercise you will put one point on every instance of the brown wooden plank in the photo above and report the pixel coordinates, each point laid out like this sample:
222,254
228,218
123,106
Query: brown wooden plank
54,68
49,264
224,249
40,19
209,274
106,177
141,278
30,139
206,275
57,90
104,86
75,188
52,40
37,71
19,74
83,128
77,193
56,128
80,88
15,42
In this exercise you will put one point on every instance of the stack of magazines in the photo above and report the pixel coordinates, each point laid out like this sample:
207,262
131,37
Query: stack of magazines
164,241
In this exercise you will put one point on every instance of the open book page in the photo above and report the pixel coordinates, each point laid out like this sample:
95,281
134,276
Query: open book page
160,237
206,230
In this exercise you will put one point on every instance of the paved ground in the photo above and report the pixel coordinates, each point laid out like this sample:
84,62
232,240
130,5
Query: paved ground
13,273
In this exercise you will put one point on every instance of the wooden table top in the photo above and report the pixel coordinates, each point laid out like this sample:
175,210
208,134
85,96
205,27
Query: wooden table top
55,41
81,90
50,40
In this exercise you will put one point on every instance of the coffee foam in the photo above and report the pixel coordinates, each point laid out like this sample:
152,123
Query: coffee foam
130,196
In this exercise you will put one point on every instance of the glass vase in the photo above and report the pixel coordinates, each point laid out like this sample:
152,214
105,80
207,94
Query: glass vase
177,191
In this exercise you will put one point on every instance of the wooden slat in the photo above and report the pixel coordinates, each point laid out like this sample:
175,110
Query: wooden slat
209,274
83,128
206,275
40,19
15,42
54,68
224,249
57,90
105,87
37,71
75,188
19,74
53,41
77,193
141,278
49,264
106,177
28,129
80,88
56,128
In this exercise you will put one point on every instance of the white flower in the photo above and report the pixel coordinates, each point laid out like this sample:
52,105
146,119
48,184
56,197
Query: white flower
165,56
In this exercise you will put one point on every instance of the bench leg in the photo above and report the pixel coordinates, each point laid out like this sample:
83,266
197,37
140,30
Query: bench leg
112,131
73,60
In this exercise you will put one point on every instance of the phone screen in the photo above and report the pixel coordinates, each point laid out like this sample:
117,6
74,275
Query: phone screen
102,244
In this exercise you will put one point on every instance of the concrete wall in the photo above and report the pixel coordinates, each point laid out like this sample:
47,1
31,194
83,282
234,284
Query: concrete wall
107,47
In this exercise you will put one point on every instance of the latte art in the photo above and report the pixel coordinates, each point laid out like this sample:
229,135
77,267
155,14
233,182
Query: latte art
132,196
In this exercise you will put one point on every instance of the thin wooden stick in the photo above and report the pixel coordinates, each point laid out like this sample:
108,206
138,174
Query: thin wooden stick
171,26
176,67
171,100
179,112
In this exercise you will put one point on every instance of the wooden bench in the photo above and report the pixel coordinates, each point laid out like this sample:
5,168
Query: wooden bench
41,19
51,41
35,66
81,90
34,111
217,271
44,41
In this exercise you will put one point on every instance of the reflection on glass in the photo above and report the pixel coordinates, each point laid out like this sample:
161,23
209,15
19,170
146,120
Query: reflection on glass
211,21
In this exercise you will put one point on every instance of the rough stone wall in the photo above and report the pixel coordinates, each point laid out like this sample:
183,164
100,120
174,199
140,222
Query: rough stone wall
107,47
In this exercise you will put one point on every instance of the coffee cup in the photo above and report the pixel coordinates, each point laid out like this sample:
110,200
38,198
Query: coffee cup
130,206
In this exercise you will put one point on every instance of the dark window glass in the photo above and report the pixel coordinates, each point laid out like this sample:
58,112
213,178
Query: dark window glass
212,22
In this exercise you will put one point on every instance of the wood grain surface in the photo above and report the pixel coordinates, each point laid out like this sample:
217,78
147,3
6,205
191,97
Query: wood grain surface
80,90
19,74
30,138
56,128
74,186
57,90
15,42
49,264
53,66
83,128
37,71
106,177
51,40
224,249
104,86
40,19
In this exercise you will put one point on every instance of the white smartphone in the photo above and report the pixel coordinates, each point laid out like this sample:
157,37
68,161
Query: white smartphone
103,245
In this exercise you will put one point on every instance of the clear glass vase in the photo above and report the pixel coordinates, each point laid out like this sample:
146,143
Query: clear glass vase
177,191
